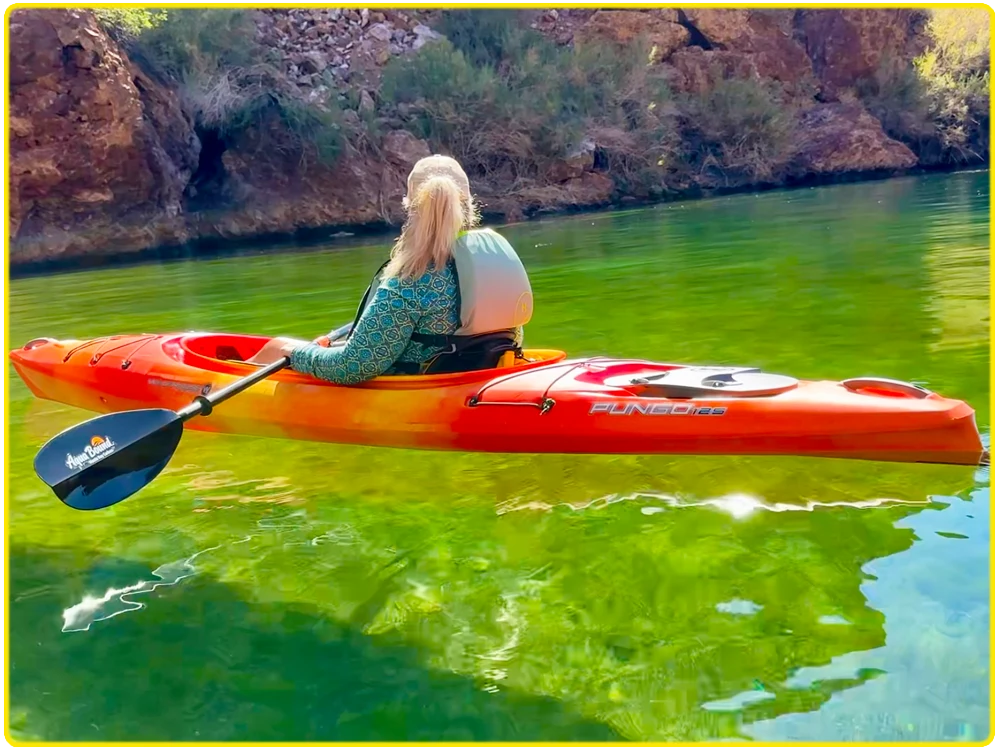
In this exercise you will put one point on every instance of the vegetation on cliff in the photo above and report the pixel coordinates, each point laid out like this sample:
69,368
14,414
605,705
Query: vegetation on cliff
508,110
940,105
228,81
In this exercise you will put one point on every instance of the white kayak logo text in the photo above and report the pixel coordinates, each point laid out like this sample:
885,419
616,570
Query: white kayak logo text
619,409
99,446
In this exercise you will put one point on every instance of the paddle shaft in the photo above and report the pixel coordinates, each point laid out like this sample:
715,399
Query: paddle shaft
202,405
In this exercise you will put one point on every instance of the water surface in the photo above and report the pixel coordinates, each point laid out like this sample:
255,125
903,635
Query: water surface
276,590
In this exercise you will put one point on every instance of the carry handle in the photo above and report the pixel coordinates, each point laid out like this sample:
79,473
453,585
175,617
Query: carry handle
886,384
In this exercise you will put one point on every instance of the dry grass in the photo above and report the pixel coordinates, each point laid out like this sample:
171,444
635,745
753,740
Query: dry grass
740,129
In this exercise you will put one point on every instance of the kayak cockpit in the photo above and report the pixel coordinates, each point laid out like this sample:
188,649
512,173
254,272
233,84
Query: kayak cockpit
229,353
223,347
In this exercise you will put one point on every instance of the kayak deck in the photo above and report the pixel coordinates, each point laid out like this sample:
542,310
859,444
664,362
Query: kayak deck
542,403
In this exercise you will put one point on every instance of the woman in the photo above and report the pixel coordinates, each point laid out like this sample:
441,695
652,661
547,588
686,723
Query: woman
447,289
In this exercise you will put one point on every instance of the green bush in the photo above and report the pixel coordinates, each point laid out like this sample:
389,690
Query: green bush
897,96
439,72
126,24
507,116
487,37
961,40
940,105
740,127
956,74
226,80
189,43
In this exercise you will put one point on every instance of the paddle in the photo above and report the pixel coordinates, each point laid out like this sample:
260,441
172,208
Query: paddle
106,459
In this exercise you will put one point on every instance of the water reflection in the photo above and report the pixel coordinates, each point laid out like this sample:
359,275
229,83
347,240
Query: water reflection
933,665
116,601
739,505
708,616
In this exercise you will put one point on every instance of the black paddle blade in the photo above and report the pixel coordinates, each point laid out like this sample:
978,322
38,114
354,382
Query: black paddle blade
105,460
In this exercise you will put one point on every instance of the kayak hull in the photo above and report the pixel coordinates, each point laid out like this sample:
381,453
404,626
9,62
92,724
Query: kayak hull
546,403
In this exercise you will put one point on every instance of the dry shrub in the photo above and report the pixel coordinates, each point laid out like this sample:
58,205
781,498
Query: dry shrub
740,128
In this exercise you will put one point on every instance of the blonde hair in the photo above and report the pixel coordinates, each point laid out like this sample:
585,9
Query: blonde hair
438,205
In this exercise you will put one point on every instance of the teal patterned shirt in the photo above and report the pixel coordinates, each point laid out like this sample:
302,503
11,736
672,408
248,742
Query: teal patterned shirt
397,309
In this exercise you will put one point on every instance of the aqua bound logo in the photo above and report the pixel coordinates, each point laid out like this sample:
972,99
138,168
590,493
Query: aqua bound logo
99,447
656,410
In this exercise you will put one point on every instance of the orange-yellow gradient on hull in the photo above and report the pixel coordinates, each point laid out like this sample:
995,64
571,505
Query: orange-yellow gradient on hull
544,403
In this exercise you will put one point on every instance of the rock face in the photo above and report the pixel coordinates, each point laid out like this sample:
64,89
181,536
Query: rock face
763,38
99,153
661,28
104,159
845,45
281,196
838,138
326,50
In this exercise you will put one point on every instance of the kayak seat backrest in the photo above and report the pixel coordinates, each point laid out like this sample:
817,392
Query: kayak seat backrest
483,352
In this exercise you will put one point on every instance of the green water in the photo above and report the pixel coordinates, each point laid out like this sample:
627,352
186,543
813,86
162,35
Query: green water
318,592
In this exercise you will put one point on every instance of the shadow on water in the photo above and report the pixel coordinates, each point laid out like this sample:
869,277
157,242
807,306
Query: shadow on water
217,667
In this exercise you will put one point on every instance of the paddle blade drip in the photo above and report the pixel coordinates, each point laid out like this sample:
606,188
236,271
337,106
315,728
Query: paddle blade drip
107,459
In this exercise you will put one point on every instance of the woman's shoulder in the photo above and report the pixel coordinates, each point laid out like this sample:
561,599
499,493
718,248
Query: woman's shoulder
431,279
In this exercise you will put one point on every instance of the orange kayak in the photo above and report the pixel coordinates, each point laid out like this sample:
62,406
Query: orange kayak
542,403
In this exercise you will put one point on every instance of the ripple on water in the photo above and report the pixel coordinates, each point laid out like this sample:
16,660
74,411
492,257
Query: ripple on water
117,601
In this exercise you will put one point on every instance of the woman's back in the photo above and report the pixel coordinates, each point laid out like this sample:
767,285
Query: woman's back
429,304
416,311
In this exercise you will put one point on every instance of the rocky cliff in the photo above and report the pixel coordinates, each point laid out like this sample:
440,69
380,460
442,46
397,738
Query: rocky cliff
109,159
99,153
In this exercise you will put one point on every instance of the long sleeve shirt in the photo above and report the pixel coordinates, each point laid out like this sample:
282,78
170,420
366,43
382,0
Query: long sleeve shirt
381,339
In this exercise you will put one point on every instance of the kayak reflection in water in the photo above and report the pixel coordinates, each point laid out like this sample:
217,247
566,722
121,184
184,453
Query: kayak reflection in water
452,297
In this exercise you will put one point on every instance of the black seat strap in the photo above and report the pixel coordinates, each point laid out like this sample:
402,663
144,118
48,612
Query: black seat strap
432,339
459,342
368,293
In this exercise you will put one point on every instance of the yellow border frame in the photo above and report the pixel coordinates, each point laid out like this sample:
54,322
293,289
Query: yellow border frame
5,316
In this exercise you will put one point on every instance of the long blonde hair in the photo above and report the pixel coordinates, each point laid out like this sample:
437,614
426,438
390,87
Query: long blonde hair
438,205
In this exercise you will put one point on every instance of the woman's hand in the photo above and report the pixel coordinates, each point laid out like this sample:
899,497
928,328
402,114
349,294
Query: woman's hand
274,350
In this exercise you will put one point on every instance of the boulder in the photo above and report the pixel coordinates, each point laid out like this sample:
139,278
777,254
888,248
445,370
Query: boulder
765,37
660,27
577,161
99,152
403,149
849,44
424,34
840,138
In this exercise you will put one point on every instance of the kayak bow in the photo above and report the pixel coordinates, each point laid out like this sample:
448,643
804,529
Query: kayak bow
542,403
